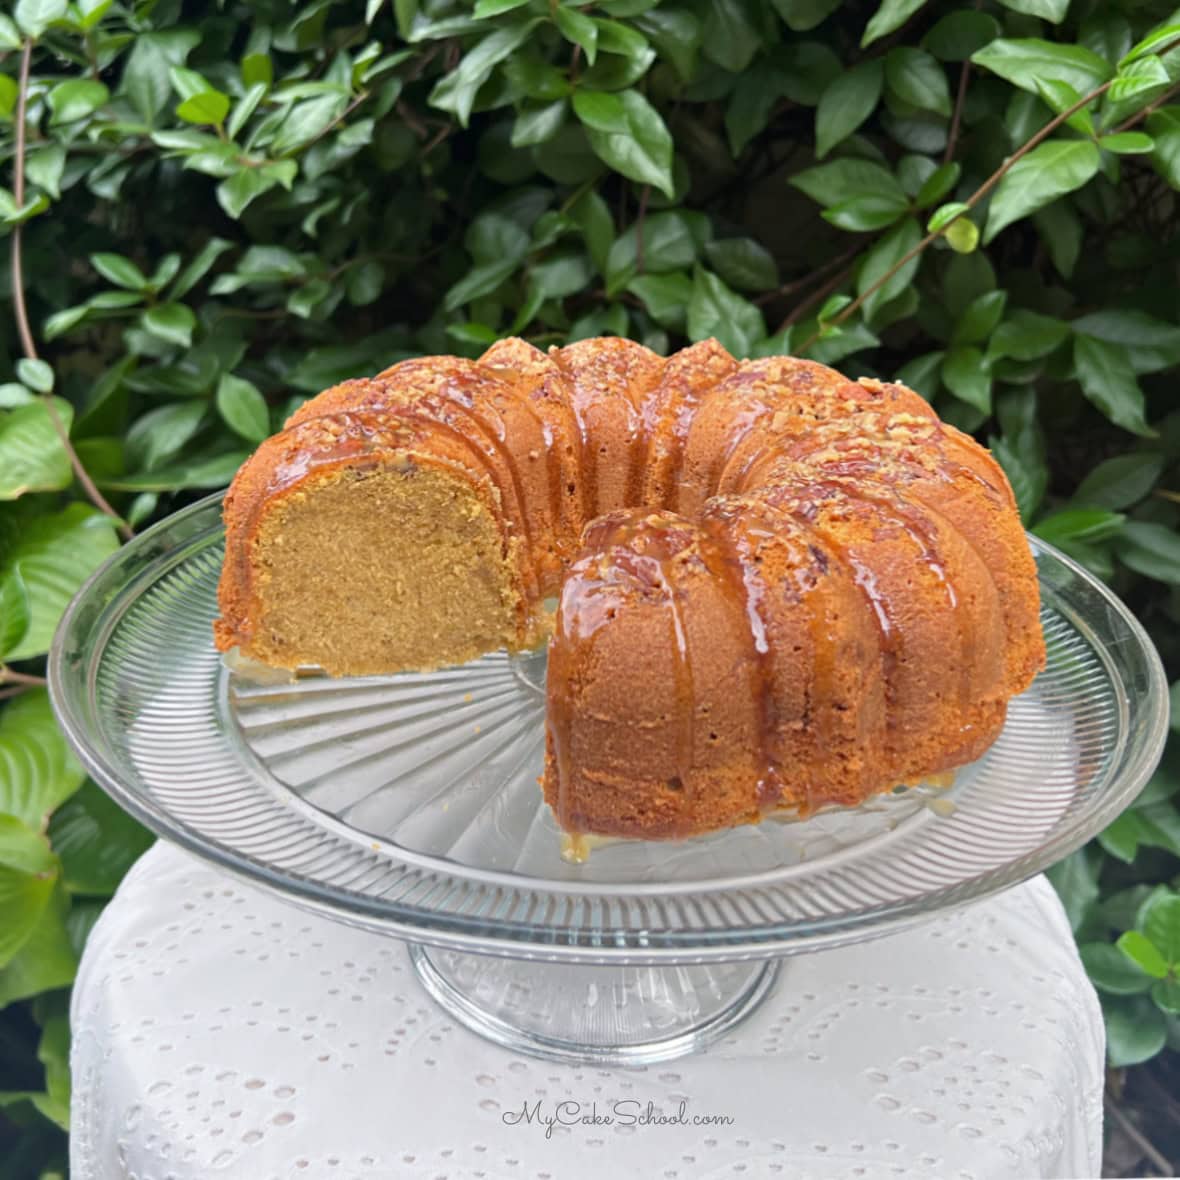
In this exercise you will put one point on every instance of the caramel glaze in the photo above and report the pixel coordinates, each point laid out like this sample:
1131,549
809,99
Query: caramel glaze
778,587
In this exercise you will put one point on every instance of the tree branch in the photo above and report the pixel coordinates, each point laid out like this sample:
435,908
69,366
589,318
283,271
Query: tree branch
952,139
789,288
8,676
18,193
969,204
20,310
1145,1145
819,294
1147,110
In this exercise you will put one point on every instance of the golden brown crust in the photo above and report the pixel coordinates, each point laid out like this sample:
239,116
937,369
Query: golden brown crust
792,589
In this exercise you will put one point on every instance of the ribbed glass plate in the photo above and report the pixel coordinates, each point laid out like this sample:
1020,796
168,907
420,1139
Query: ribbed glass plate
410,803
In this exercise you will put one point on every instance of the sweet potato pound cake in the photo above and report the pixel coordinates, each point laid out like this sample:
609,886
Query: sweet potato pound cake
777,588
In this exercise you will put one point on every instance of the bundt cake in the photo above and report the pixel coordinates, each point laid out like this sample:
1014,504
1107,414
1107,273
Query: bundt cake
776,588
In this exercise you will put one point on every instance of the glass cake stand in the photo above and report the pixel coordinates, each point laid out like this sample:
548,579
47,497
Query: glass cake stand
409,805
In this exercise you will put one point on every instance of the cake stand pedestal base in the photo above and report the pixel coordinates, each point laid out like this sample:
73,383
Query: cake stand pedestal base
598,1015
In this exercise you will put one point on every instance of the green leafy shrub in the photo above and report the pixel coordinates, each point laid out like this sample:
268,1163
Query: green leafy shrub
216,211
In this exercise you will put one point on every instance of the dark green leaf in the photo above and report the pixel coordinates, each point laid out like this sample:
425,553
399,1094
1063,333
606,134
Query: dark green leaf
1128,143
40,770
96,840
577,27
937,185
1108,379
55,555
979,320
591,214
236,192
146,73
957,35
171,322
1076,881
965,374
479,281
1113,972
844,180
1160,922
214,472
847,103
802,15
45,961
120,271
486,8
1079,524
916,78
1050,10
631,138
199,266
35,374
870,212
715,310
676,33
32,458
1024,62
456,90
923,374
671,241
561,275
666,297
538,125
730,37
1061,230
15,614
1158,41
28,871
157,436
743,263
1135,1030
1049,171
882,260
1166,994
1133,88
76,99
890,15
1120,482
1152,550
1151,344
35,16
1026,336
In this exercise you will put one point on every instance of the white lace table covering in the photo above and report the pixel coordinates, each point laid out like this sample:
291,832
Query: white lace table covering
219,1033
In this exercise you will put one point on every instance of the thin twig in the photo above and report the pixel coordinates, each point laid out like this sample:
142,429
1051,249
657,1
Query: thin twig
20,310
1140,1140
411,120
952,139
18,193
8,693
968,205
815,297
1147,110
806,280
8,676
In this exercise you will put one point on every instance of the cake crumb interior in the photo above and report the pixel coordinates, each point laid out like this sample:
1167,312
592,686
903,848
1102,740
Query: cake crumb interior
395,566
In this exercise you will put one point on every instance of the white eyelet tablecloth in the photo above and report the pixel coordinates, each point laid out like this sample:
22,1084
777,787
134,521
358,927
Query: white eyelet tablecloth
220,1033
